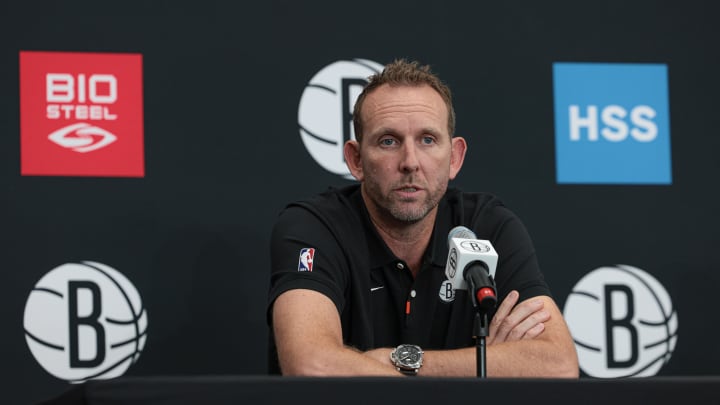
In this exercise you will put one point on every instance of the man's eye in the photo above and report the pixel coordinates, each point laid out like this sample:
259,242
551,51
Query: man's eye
428,140
387,142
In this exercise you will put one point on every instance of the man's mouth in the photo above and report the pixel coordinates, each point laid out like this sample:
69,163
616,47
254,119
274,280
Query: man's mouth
409,189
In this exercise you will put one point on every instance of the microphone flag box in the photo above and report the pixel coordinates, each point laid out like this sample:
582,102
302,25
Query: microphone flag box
464,251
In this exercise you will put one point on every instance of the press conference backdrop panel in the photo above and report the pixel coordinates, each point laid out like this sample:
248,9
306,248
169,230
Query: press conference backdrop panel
146,149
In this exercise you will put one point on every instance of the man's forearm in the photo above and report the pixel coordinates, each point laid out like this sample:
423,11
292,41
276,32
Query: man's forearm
532,358
529,339
526,358
523,358
334,361
309,343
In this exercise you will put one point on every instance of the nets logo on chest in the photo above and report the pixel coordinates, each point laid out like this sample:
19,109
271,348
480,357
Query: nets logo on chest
81,114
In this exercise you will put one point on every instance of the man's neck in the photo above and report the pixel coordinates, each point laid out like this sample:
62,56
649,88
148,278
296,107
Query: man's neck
408,241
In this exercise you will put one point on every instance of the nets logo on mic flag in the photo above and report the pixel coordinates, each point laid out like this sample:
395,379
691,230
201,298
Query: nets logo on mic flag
464,249
81,114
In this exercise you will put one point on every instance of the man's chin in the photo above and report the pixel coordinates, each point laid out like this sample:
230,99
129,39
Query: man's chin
409,215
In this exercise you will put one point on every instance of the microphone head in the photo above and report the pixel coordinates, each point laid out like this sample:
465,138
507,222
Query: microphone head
465,249
460,232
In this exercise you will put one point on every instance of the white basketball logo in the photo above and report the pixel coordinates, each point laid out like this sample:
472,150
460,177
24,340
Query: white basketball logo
447,293
85,321
325,111
622,321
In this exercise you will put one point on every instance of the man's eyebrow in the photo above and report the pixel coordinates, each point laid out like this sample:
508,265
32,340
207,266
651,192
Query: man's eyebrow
391,131
432,131
385,131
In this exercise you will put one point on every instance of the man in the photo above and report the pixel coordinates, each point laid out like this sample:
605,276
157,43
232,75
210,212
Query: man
357,272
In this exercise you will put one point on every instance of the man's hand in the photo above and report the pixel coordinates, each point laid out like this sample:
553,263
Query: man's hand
513,323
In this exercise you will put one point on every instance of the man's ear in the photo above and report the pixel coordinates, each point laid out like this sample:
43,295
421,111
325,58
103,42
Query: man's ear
351,150
457,155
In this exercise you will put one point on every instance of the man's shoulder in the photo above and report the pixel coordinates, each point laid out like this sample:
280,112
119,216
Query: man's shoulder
471,201
332,221
338,210
483,212
333,201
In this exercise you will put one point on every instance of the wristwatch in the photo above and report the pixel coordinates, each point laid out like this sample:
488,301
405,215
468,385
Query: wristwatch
407,359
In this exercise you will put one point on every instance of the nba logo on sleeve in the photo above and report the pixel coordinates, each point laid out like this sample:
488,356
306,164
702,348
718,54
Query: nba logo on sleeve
81,114
612,123
307,255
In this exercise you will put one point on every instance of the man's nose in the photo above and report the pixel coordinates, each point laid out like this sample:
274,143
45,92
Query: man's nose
409,162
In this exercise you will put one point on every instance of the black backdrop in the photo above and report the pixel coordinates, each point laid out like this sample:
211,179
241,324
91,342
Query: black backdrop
222,82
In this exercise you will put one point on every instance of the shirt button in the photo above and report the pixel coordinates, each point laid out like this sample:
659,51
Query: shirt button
413,293
400,266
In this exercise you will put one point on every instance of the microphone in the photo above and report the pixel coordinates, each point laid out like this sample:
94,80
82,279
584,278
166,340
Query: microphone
471,265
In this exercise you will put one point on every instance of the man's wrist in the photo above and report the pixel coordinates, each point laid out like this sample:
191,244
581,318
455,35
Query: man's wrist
407,359
381,354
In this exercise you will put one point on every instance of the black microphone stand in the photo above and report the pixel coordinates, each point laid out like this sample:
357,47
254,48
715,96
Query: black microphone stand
480,332
481,329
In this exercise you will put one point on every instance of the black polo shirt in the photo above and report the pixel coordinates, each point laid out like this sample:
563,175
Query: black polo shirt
379,302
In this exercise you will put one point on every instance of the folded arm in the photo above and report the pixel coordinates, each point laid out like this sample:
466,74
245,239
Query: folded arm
526,340
309,342
549,354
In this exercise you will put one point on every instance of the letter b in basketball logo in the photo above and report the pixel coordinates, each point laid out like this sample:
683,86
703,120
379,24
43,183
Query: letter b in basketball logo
85,321
622,321
447,293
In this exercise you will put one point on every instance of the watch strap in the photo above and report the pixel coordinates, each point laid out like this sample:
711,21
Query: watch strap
408,371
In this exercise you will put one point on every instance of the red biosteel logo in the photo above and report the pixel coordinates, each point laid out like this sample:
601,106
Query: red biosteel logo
81,114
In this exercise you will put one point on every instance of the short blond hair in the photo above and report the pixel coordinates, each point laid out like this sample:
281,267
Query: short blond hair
401,72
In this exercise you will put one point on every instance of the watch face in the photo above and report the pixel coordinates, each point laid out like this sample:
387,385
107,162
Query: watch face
409,356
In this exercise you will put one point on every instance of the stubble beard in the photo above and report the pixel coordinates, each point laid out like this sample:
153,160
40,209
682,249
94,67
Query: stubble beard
403,211
410,214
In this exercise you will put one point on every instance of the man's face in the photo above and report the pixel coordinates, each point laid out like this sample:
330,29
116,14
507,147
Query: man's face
407,156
